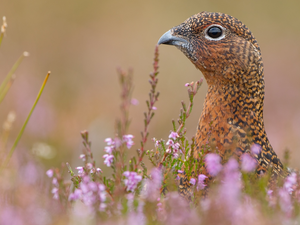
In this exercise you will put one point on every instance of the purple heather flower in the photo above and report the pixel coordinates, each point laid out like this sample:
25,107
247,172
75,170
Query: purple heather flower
290,182
80,170
213,164
170,142
108,159
173,146
101,187
132,180
55,193
230,189
271,199
89,192
201,184
82,156
109,141
256,148
285,201
134,101
75,195
54,181
98,170
102,207
187,84
248,163
154,108
89,165
193,181
109,149
173,135
179,171
176,146
157,144
152,186
93,186
128,140
49,173
269,192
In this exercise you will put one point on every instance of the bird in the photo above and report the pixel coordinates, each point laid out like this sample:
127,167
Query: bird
231,122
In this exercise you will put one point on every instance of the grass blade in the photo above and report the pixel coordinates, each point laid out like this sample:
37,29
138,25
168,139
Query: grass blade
3,28
6,88
23,127
11,72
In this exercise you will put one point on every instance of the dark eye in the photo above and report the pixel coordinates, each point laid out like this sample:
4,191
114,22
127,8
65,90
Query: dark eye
214,32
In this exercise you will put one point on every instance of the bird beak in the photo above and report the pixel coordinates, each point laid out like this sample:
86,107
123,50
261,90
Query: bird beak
168,39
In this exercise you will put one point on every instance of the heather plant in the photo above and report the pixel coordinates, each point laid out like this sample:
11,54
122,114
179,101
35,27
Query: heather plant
137,194
141,187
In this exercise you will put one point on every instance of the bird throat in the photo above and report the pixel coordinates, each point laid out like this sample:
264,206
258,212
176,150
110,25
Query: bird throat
231,110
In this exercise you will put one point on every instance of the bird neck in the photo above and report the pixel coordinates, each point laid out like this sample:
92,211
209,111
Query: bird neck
235,99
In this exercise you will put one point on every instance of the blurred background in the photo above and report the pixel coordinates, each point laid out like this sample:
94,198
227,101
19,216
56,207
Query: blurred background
83,42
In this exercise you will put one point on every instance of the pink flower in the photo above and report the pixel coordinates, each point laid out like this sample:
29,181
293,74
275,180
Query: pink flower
201,184
173,135
49,173
176,147
98,170
290,182
108,159
80,170
248,163
157,144
89,192
154,108
109,149
230,189
255,148
213,164
132,180
54,181
179,171
172,145
128,140
193,181
82,156
187,84
109,141
152,186
75,195
285,201
89,165
170,142
134,101
55,193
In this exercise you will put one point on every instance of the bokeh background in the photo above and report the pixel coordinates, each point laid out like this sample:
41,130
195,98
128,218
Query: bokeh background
83,42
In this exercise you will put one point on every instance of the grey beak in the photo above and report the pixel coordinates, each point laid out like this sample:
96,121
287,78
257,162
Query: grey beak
168,39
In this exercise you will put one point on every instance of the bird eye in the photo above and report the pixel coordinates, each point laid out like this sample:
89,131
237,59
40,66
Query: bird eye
214,32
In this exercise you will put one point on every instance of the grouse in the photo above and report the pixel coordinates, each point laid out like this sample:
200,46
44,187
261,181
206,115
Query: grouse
229,57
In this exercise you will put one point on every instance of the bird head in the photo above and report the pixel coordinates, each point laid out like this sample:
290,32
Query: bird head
221,46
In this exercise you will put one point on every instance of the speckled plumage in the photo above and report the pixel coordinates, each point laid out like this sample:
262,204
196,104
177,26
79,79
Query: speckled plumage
232,117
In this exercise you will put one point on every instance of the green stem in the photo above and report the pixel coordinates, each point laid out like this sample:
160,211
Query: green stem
6,88
3,28
11,72
23,127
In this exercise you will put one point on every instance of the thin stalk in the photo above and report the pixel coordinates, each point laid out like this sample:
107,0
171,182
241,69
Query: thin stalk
25,124
6,88
3,28
11,72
